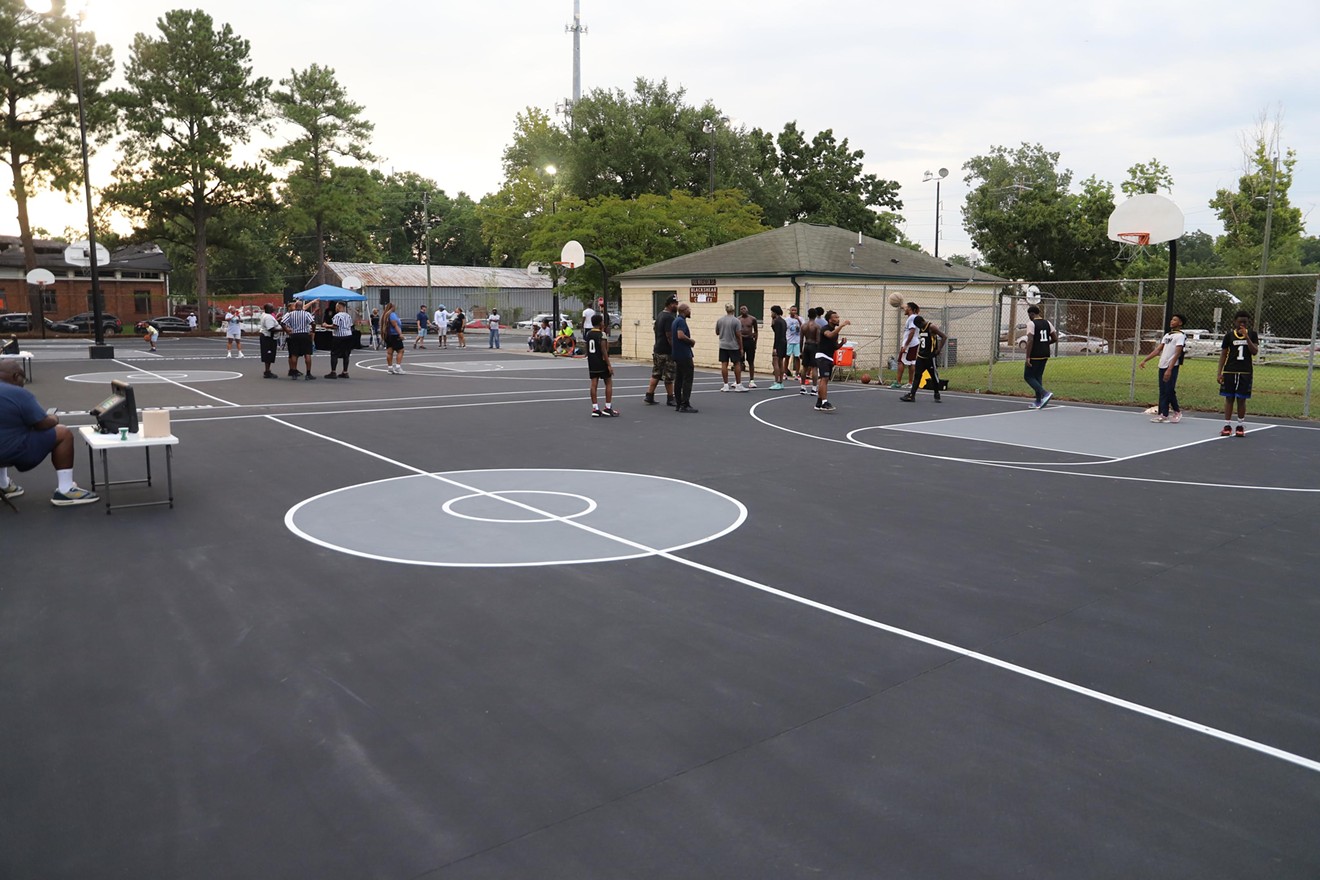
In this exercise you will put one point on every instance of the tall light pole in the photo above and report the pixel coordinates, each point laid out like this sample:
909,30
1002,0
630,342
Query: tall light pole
712,127
99,351
938,178
551,171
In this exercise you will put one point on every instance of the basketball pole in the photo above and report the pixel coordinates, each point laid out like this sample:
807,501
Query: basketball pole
1173,277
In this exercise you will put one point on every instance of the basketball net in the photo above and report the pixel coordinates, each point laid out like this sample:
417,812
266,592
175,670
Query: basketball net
564,264
1132,245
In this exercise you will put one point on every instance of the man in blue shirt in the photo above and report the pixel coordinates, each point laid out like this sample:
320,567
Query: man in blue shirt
28,436
681,343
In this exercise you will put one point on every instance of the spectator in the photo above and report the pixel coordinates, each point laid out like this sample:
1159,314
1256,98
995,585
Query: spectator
29,435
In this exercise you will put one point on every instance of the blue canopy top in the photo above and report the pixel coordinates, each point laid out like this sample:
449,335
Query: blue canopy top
329,293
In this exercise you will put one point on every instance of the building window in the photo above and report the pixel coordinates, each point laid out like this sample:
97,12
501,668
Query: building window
753,299
659,298
142,301
48,302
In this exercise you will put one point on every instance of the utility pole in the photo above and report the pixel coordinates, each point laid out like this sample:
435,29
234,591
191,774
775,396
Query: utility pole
426,232
1265,249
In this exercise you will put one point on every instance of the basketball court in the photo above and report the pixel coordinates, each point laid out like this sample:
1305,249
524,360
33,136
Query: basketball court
447,625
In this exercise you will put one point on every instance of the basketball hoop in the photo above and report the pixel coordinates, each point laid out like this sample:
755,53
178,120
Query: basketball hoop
565,263
1132,245
1140,239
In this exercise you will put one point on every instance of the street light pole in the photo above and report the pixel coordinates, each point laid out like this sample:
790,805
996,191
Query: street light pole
938,178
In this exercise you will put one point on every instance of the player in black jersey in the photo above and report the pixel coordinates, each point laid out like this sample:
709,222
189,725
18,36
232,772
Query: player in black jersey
1041,337
1241,344
930,341
598,366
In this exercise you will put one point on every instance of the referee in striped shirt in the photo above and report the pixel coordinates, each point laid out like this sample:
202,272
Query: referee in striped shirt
299,326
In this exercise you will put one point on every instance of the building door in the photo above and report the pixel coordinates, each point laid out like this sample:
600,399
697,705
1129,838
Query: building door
753,299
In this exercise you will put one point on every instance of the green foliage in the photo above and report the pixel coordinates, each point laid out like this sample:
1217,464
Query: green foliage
1023,218
628,233
1244,211
411,203
39,132
825,184
1147,177
191,98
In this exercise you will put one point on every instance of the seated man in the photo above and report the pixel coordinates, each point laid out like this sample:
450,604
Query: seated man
545,338
566,342
28,436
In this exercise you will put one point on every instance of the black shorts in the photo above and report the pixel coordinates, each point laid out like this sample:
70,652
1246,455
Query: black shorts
808,356
300,344
1236,385
730,356
599,372
268,344
781,353
824,366
394,343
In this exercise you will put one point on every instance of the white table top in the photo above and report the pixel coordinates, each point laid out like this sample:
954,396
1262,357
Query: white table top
97,440
19,354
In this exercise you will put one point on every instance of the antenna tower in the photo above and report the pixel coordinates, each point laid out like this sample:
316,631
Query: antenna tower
577,29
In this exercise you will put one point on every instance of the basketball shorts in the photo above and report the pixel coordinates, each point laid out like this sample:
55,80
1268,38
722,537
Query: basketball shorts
824,365
1236,385
730,356
910,355
394,343
299,344
794,350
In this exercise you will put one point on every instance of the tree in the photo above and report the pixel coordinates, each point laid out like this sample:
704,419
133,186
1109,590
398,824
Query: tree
39,133
628,233
1147,177
320,200
1266,178
191,98
1025,221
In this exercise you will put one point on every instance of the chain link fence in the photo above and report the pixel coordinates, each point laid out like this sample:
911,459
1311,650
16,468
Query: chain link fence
1114,322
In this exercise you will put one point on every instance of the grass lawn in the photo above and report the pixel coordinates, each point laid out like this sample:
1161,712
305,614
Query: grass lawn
1276,390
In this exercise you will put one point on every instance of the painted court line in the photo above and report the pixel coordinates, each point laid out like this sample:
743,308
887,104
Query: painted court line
1100,696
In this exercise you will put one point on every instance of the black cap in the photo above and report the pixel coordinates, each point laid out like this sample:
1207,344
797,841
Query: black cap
673,298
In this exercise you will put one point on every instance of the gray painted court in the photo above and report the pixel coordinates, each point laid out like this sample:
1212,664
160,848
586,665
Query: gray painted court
446,625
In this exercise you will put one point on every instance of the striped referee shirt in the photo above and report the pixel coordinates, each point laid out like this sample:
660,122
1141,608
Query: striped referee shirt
343,324
297,321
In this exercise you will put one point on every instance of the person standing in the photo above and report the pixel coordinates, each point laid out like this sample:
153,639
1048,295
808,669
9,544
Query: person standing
1041,337
419,341
441,323
587,314
391,327
267,340
375,329
930,341
493,324
751,332
681,344
907,345
729,331
793,336
28,435
1235,357
1171,348
599,367
341,342
830,341
192,322
662,354
298,324
233,331
459,323
810,340
779,347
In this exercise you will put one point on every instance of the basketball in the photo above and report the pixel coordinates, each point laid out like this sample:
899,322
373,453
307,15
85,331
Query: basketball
896,300
866,378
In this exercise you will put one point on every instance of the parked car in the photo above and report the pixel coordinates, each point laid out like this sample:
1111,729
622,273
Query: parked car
536,321
1073,343
17,322
82,323
165,324
1202,343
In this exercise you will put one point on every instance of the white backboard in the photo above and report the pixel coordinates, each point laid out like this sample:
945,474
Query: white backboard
1148,213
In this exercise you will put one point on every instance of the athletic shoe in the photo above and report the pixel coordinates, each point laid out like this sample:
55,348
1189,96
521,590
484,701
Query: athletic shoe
343,375
687,409
724,387
1049,395
751,384
805,390
332,375
74,496
937,399
294,374
825,407
269,376
595,413
1227,432
669,401
1176,417
649,399
239,355
1033,405
1159,420
1241,431
398,370
778,386
611,411
908,398
13,490
813,390
229,354
739,388
309,377
894,385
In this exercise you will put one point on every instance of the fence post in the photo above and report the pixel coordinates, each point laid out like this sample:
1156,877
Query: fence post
1310,356
1136,343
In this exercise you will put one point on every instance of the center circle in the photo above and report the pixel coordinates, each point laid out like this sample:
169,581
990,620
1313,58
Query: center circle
516,517
535,513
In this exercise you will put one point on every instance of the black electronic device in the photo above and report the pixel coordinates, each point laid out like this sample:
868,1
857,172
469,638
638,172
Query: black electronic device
119,410
10,347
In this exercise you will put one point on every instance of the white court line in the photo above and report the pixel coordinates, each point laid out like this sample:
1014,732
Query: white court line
139,369
906,429
1033,468
1178,721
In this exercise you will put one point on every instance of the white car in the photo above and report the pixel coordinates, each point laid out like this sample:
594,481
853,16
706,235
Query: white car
1073,343
536,321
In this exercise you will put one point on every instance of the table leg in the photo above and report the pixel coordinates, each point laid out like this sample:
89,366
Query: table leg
169,474
147,450
105,472
91,467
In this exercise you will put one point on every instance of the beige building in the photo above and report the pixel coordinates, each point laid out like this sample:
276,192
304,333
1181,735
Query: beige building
812,266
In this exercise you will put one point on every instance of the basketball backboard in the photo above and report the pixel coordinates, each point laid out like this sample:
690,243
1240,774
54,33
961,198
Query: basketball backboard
1146,219
574,254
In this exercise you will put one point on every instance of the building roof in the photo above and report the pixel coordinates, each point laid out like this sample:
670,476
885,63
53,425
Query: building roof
384,275
808,250
50,255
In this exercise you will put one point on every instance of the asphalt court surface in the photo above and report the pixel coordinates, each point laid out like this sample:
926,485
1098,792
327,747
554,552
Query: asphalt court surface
448,625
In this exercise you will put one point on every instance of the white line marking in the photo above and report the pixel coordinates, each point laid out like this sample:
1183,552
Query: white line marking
1178,721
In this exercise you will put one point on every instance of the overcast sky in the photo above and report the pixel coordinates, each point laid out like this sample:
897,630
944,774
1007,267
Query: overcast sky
915,86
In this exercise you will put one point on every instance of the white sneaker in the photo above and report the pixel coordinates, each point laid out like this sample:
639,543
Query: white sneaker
1176,417
229,354
724,387
240,354
739,388
751,384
